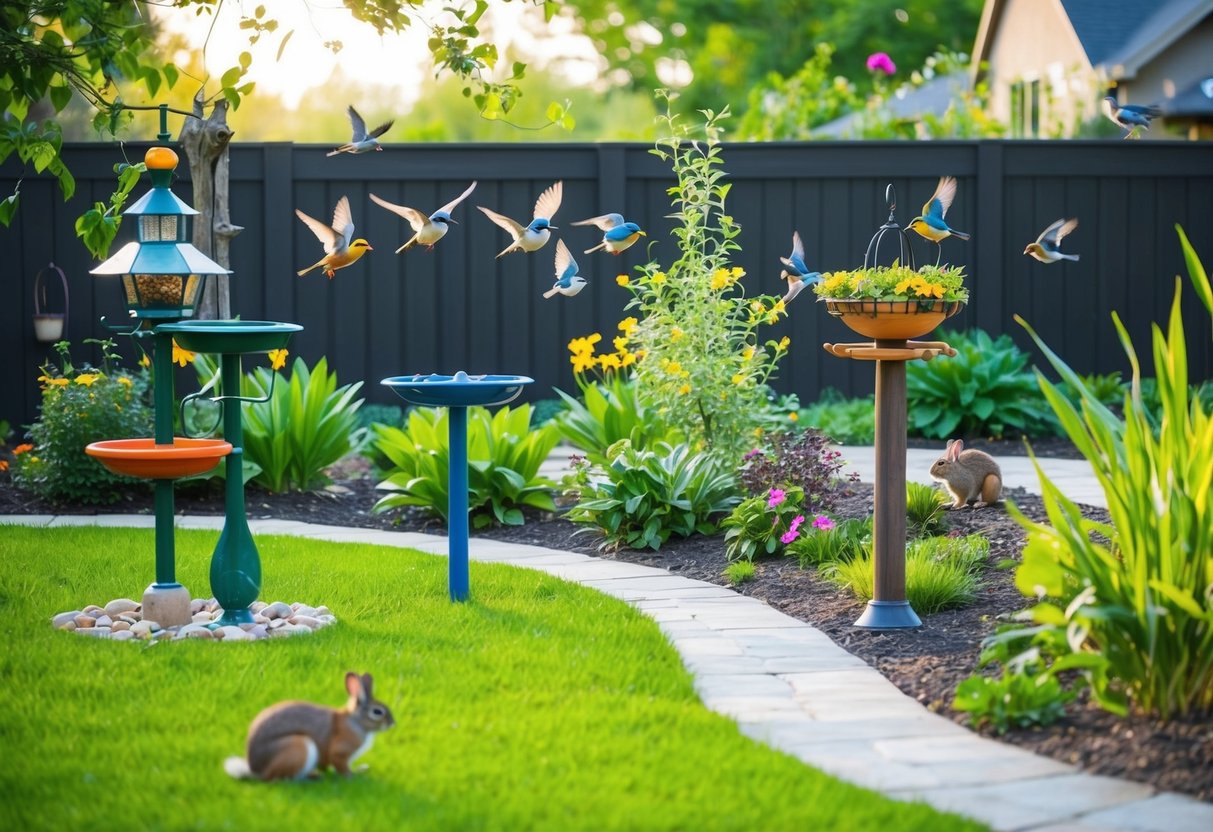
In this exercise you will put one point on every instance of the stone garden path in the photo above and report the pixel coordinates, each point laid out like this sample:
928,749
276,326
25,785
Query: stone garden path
788,685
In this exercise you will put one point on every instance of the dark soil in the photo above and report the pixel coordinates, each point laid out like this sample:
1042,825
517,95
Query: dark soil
926,663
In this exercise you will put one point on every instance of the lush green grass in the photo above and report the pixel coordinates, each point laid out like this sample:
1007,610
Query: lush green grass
539,705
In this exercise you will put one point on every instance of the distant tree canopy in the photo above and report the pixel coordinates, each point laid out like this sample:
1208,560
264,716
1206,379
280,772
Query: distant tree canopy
730,45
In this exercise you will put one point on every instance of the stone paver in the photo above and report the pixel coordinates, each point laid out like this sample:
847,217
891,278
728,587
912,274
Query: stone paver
787,684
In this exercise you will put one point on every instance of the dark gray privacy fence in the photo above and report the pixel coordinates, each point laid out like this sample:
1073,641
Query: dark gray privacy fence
458,308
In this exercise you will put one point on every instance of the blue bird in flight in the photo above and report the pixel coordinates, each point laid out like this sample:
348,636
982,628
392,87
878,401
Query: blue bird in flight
799,277
1047,248
426,230
568,282
617,235
535,235
931,224
1129,116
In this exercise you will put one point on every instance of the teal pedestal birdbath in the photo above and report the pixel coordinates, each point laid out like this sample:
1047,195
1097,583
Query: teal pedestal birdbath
236,565
457,393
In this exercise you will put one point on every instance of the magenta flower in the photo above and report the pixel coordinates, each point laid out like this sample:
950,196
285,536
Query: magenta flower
751,454
796,521
881,62
788,536
824,523
777,497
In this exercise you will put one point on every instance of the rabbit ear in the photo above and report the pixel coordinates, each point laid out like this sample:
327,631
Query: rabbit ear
353,684
367,683
958,447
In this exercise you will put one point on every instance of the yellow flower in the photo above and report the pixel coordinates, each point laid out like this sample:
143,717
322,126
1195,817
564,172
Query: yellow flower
757,306
87,379
720,279
181,357
278,359
684,389
676,334
658,278
834,284
629,358
900,288
582,362
610,361
737,273
927,290
738,379
778,309
673,368
622,280
794,416
57,382
125,380
784,342
627,325
747,353
145,361
621,343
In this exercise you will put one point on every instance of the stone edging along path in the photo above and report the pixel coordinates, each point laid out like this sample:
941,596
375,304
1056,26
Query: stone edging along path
788,685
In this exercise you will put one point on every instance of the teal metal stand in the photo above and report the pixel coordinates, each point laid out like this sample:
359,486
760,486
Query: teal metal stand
457,503
236,565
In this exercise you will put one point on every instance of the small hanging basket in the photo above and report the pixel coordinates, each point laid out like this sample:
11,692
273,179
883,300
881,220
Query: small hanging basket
48,326
892,319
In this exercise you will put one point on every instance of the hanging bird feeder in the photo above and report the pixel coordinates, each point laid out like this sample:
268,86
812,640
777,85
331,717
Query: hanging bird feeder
48,326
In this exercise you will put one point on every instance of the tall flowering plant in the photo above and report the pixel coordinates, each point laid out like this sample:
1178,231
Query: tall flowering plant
704,363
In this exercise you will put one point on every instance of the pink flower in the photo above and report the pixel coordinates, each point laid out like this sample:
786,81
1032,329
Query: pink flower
796,521
824,523
788,536
751,454
881,62
777,497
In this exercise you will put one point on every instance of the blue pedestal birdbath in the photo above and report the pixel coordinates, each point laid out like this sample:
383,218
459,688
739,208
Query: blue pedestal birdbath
457,393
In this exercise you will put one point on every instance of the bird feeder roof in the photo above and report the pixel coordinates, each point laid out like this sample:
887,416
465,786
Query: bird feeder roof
159,201
159,258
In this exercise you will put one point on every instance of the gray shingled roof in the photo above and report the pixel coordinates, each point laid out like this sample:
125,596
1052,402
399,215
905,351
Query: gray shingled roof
1104,26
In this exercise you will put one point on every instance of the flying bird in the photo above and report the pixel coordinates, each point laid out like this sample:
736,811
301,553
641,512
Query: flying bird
568,282
534,236
617,235
340,247
1129,116
362,141
931,224
1047,248
426,230
799,277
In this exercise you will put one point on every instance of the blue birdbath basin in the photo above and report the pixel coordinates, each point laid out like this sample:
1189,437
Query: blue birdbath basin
457,393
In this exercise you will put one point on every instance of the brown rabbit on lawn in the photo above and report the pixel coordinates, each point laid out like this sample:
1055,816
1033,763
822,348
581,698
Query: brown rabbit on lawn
291,740
968,475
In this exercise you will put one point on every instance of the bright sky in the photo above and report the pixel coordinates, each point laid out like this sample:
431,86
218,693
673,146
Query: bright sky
400,59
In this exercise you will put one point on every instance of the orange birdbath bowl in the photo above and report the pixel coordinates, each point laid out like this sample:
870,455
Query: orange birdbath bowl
144,458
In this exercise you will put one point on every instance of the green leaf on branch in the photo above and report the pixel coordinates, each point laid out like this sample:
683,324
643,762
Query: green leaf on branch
8,207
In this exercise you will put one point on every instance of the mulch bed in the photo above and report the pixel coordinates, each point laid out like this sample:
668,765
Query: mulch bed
927,663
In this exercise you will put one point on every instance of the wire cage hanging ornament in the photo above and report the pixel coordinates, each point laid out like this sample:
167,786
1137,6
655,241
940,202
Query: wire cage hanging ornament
906,257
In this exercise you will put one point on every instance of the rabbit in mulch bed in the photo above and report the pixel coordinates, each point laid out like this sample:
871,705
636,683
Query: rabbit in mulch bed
968,475
294,740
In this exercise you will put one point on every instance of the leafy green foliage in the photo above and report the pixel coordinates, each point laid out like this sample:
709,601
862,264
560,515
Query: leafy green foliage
738,572
641,498
925,509
304,427
1028,691
826,543
98,226
897,282
986,389
608,411
804,460
763,525
941,572
504,455
1135,592
845,421
705,369
82,405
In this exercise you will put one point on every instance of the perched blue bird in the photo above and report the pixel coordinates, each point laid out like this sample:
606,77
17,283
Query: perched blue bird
362,141
568,282
1129,116
799,277
426,230
931,224
536,234
617,235
1047,248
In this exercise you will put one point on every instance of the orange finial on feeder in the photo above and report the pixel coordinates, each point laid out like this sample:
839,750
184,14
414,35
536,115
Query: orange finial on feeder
160,158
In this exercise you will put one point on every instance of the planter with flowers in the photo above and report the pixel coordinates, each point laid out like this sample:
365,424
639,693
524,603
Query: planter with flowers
894,302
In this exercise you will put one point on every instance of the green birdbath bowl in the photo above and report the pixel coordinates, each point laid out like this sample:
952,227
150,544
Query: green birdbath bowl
230,337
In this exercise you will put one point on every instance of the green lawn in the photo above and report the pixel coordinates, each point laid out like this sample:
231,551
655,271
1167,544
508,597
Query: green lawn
539,705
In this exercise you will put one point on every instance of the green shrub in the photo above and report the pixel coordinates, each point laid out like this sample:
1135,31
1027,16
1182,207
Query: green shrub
1134,595
608,411
82,405
545,410
640,498
986,389
804,460
941,572
825,542
504,455
391,415
763,525
845,421
925,509
739,572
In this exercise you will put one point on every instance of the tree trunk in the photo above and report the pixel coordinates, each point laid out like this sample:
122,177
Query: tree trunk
205,144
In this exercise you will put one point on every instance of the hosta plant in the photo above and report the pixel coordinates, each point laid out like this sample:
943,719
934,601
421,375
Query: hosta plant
986,389
504,455
606,412
640,498
1136,593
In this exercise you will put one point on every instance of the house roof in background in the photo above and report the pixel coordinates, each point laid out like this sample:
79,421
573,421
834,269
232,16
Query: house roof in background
933,97
1194,100
1122,35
